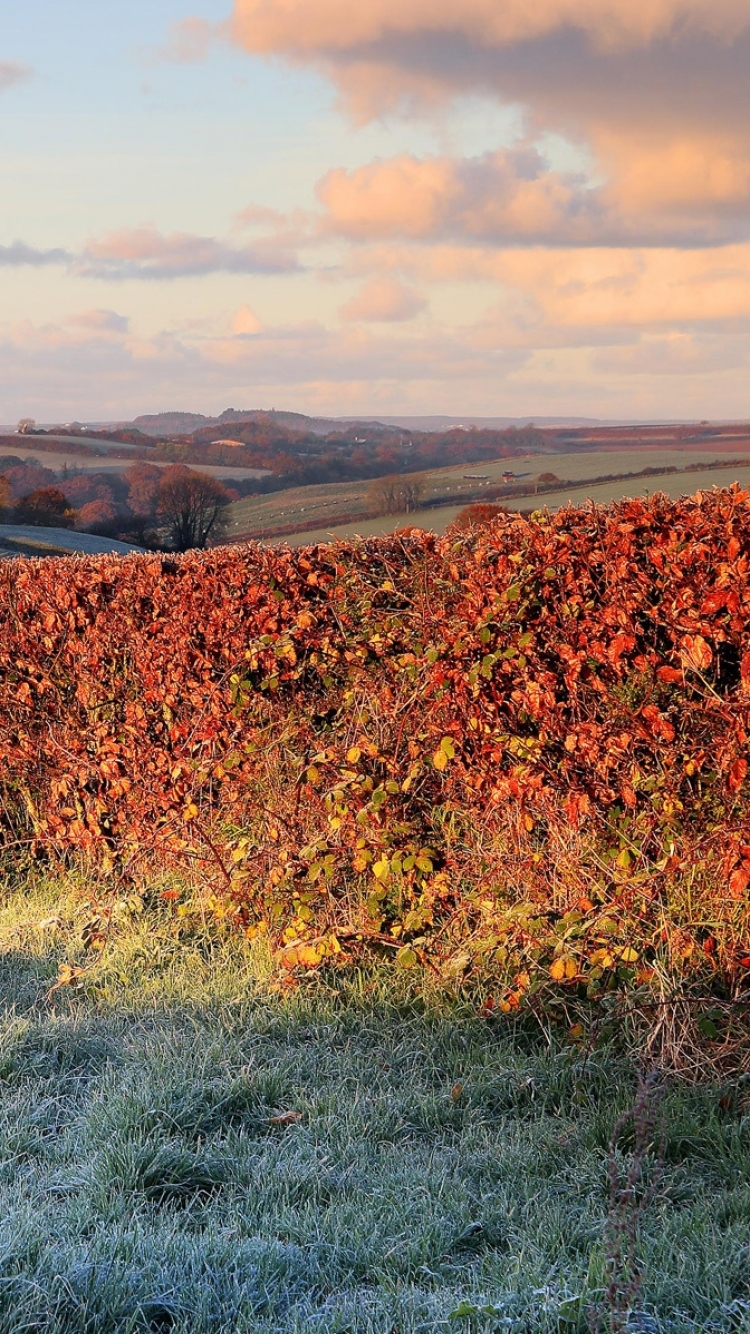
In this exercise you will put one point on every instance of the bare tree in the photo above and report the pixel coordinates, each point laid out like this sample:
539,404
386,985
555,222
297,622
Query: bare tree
25,426
191,505
398,494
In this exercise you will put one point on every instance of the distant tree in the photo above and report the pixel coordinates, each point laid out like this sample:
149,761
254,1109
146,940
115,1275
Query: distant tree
477,516
26,477
143,487
95,515
45,508
191,506
4,494
398,494
547,478
25,426
85,489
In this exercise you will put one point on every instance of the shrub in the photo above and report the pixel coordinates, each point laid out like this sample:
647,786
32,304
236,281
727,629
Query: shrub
517,754
477,516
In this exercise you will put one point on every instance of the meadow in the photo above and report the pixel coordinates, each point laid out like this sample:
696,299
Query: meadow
314,513
183,1148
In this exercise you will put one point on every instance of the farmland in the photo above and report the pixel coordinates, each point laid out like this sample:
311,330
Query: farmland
312,513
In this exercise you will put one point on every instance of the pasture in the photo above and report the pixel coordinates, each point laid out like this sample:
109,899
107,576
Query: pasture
322,511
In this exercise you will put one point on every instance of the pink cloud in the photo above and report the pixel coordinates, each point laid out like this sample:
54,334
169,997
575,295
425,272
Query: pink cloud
657,90
146,253
384,300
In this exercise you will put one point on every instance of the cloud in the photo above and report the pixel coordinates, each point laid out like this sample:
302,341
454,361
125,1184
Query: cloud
655,89
145,253
56,370
188,42
337,26
383,300
101,321
513,197
245,323
499,197
11,73
18,255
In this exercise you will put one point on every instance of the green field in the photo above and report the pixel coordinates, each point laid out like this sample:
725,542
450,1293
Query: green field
183,1150
313,513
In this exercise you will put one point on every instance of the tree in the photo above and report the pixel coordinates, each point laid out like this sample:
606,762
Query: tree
477,516
398,494
45,508
95,515
191,505
4,493
143,481
25,426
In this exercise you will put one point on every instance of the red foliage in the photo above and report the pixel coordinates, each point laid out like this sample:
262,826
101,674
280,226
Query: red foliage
585,671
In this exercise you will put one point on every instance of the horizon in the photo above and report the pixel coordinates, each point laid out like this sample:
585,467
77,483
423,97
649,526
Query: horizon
369,214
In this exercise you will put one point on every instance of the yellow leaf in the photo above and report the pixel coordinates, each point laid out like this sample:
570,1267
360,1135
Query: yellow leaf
571,968
308,956
628,954
602,958
354,754
557,970
440,760
190,812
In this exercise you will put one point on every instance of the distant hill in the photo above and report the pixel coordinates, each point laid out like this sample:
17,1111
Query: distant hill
162,424
489,423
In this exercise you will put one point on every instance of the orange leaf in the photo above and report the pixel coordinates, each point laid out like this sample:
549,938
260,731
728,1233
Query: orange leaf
738,882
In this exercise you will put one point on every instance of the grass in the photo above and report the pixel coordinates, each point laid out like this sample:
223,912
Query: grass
183,1149
322,509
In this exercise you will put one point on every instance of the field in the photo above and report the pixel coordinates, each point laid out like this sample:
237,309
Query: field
183,1150
319,511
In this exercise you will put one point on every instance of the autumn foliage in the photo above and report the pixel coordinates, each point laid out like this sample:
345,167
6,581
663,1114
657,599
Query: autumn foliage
518,753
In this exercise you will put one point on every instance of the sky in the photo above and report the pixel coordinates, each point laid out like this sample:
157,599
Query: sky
391,207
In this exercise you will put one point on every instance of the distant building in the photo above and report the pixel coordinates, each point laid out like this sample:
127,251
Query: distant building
509,476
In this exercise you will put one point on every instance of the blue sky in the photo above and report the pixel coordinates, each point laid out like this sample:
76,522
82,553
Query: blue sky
455,214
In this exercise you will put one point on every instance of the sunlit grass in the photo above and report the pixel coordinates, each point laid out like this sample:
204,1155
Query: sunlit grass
181,1148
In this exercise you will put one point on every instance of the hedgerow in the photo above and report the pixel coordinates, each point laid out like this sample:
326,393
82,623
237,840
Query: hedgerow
517,754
